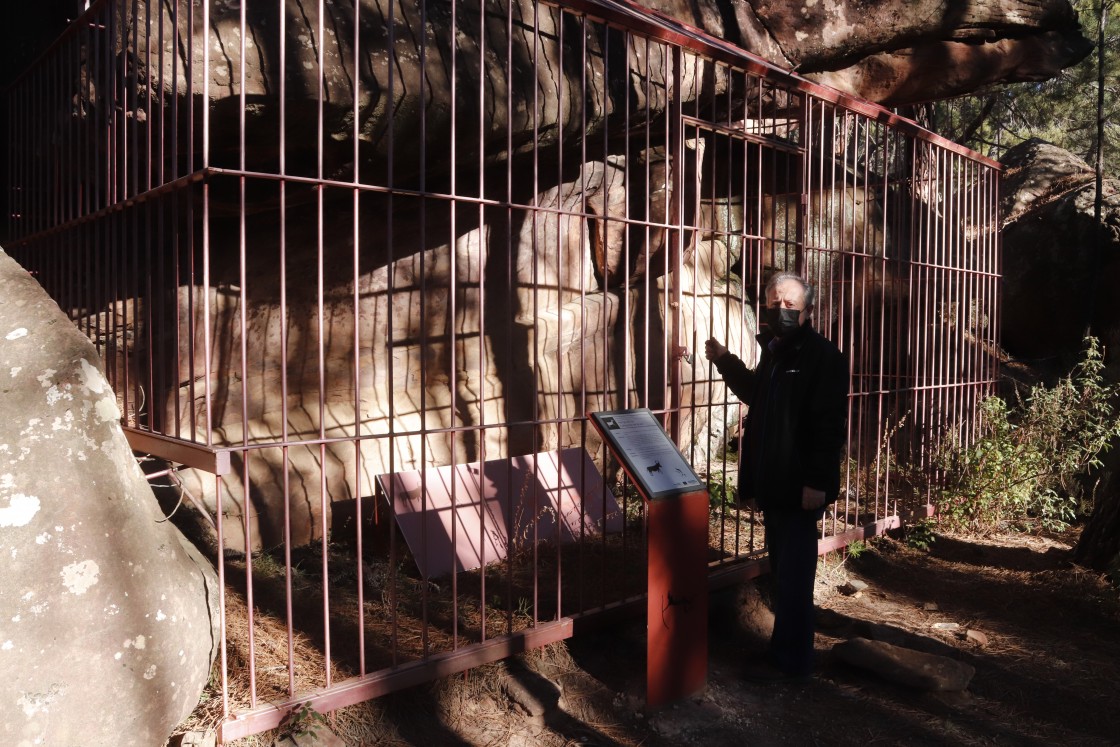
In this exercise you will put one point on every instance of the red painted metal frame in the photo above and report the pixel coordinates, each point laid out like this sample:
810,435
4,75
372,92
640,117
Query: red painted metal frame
389,680
142,215
214,461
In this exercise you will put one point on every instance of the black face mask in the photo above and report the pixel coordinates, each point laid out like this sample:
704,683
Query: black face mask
781,321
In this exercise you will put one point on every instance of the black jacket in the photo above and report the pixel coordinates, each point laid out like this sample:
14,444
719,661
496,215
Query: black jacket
794,432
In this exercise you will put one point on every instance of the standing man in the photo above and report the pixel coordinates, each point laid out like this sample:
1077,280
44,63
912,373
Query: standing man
793,438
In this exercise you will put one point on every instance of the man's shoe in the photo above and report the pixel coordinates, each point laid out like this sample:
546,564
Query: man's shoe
766,673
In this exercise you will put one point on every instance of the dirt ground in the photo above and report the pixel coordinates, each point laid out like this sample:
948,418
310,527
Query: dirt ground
1047,666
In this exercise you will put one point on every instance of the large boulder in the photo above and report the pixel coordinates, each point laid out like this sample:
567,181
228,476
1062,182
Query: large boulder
906,666
1056,253
109,623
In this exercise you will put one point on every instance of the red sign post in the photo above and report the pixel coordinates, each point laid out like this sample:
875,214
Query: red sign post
677,544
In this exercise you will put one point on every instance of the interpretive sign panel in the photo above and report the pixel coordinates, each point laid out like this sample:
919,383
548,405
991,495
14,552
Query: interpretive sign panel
648,454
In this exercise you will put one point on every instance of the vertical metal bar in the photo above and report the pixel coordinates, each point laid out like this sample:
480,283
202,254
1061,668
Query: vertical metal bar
243,301
154,262
865,261
129,293
58,178
207,331
940,311
394,637
321,327
284,343
561,426
953,233
132,61
927,292
914,272
13,114
583,33
357,373
179,282
748,226
156,320
187,84
936,339
956,307
161,105
675,249
904,263
241,111
219,528
40,166
883,414
960,273
453,290
118,153
536,351
28,184
980,227
585,230
73,75
754,277
928,309
250,643
192,248
150,116
423,342
27,188
129,301
918,292
997,269
484,245
972,279
105,307
100,117
205,93
11,106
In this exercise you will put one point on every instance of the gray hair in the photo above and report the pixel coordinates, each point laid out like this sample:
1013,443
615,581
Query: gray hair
810,293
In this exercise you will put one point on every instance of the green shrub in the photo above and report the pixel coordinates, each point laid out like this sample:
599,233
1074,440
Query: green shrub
1029,461
305,722
856,548
919,535
721,490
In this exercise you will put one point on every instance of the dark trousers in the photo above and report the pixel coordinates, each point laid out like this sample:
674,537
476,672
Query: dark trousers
791,538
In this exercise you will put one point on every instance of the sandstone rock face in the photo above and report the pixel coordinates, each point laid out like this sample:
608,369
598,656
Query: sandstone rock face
513,321
1055,251
109,616
394,71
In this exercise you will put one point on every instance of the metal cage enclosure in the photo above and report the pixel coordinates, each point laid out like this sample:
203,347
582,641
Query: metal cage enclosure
358,270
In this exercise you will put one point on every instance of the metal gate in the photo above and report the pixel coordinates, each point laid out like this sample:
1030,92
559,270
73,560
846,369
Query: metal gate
359,270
